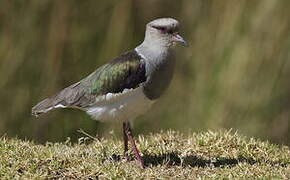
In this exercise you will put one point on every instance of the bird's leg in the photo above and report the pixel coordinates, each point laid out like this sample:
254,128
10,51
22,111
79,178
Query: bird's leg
125,137
135,149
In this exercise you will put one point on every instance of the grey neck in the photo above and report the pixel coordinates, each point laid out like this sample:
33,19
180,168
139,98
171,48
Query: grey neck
152,52
159,68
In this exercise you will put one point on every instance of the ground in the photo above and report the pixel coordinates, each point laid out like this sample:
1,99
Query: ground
167,155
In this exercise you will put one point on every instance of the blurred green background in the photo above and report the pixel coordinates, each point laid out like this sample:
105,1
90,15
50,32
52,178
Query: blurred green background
235,74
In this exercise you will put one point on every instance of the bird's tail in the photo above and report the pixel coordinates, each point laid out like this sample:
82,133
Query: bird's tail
67,97
46,105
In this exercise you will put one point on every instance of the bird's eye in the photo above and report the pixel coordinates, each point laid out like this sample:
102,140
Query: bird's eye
162,29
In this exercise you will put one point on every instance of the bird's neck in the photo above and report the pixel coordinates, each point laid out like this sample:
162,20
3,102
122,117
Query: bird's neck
159,68
153,52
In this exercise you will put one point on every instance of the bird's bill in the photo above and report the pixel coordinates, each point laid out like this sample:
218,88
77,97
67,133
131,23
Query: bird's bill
177,38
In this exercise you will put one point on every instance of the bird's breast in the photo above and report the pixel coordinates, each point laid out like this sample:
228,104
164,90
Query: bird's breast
159,75
124,106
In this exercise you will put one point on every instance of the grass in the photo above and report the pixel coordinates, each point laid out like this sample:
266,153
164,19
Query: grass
167,155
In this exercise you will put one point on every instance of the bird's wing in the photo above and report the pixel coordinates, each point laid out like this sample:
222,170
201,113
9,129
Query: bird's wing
124,72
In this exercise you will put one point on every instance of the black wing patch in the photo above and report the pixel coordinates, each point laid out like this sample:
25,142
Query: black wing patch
124,72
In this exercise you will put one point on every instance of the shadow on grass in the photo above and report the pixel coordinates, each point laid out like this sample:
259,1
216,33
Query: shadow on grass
172,159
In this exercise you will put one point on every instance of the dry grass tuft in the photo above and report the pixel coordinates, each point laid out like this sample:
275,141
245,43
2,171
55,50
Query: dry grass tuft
168,155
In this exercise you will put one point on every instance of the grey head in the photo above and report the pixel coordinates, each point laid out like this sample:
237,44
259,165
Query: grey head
163,32
161,35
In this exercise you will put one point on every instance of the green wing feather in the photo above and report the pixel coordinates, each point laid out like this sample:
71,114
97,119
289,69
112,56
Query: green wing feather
124,72
127,71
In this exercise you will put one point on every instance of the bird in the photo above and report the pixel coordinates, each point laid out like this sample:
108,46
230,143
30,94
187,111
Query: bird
127,86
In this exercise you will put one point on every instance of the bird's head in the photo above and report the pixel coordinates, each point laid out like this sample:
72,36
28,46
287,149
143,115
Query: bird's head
164,32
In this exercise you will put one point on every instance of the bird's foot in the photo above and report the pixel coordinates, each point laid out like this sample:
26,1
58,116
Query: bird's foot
138,157
141,162
127,157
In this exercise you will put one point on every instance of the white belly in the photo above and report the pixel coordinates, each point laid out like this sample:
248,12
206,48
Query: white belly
121,106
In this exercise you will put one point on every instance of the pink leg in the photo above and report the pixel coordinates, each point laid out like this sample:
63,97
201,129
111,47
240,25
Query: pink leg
135,149
125,137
